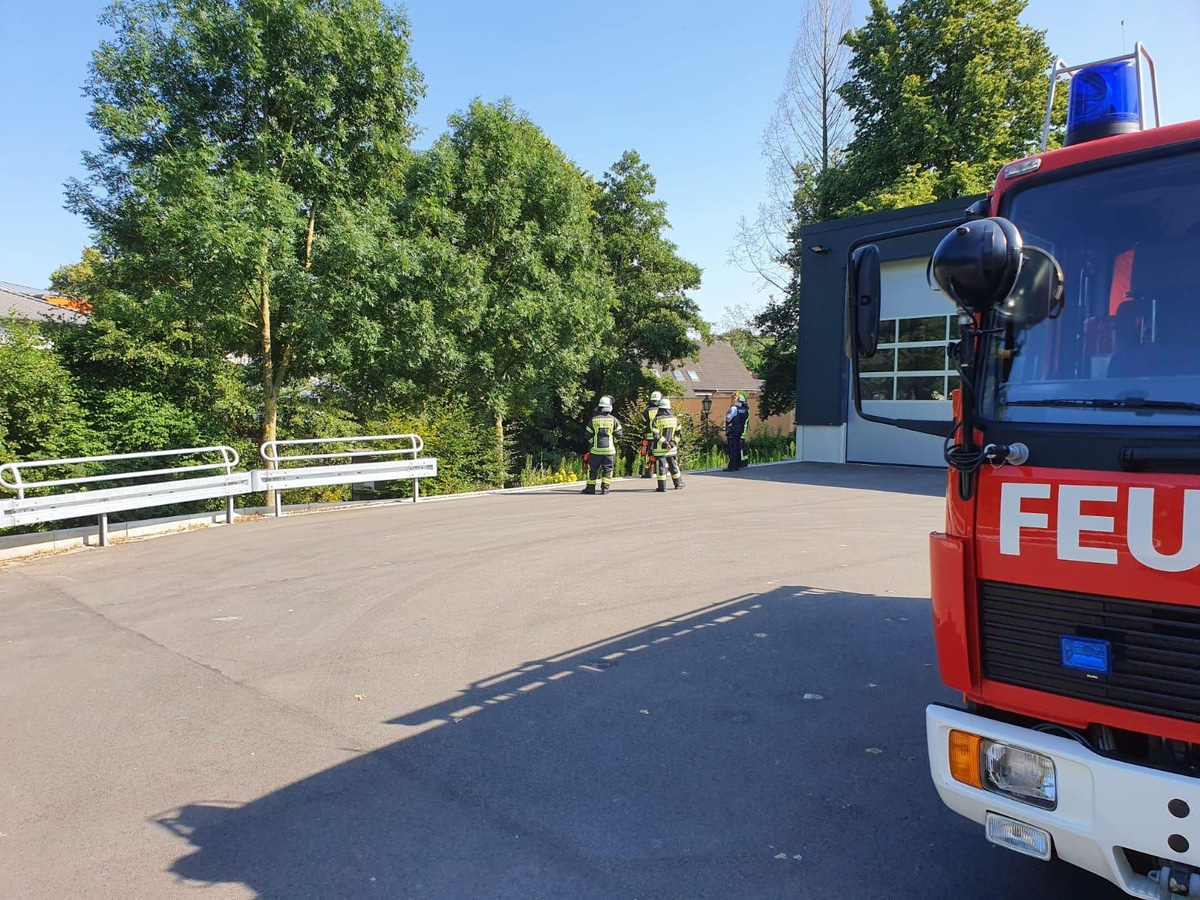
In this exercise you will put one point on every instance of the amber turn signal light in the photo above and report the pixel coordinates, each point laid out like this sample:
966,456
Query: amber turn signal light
964,758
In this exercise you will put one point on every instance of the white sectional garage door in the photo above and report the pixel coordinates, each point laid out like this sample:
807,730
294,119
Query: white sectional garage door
909,377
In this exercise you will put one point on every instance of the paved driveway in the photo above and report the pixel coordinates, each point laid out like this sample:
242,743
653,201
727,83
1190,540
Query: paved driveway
716,693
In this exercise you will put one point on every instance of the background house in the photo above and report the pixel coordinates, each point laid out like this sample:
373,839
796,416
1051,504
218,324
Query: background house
717,373
34,305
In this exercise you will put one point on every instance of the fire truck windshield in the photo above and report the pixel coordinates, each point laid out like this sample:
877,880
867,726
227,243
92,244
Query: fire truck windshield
1123,343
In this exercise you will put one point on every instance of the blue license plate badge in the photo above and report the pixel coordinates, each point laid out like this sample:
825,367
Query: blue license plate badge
1086,654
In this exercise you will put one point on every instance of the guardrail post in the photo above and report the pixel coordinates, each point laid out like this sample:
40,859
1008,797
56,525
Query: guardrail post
416,490
278,503
88,495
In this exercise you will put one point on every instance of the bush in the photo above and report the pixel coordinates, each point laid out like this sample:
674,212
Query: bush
41,416
566,471
463,444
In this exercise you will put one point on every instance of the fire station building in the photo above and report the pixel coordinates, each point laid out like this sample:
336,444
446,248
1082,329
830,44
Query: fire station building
909,377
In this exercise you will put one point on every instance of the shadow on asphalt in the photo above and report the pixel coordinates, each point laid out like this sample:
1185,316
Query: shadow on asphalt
916,480
768,746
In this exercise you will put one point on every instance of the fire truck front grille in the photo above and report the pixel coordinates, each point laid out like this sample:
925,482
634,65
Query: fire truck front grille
1154,647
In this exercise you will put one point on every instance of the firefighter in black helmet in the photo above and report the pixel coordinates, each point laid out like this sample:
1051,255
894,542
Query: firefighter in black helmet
603,431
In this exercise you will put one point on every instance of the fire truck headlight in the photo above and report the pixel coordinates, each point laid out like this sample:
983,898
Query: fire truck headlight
1019,773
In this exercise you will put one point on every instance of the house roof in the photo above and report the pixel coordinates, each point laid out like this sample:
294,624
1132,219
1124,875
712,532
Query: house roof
716,368
37,305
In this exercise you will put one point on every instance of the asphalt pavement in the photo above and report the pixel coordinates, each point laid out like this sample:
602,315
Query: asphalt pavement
713,693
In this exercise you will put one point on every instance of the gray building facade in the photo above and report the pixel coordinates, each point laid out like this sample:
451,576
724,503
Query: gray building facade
909,377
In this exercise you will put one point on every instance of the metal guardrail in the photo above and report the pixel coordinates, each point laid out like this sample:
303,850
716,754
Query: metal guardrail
84,501
83,498
402,463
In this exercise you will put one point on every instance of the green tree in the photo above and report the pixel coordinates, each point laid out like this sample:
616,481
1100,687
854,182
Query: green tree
654,320
76,279
739,330
504,255
246,147
943,93
40,413
779,323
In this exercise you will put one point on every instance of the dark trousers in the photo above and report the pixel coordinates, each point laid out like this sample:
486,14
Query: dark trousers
733,445
602,466
667,465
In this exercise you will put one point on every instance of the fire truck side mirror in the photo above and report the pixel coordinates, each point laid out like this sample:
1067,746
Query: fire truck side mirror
865,300
977,264
1038,292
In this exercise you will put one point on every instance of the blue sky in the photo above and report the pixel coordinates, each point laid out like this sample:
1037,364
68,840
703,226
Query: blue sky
689,85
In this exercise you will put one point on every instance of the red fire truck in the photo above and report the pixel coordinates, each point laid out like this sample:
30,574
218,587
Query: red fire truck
1066,585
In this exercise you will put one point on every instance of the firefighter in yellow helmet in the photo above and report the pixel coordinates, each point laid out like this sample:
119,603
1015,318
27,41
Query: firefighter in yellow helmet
666,446
648,415
603,431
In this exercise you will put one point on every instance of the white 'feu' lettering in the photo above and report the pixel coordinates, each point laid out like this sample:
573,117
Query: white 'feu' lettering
1071,522
1141,537
1012,518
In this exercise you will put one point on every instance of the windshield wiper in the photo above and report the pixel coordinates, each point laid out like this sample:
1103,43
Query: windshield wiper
1108,403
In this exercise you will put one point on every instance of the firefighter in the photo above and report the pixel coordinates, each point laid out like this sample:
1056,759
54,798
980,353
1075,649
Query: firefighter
648,415
666,446
603,431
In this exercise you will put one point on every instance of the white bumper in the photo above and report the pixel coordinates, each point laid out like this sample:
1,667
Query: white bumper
1102,805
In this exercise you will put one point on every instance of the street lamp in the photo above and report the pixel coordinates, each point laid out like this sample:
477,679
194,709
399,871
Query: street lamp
706,405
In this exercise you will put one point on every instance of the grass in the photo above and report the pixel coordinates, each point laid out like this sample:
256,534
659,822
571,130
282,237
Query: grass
707,453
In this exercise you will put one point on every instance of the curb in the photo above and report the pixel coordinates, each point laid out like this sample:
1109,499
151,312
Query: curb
36,544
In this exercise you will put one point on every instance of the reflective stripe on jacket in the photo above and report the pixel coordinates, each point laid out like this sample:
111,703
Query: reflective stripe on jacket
666,434
603,430
648,414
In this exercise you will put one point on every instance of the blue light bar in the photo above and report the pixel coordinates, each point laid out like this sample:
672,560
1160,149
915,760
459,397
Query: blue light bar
1103,101
1086,654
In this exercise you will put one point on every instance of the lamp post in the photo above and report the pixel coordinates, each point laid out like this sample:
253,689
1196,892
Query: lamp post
706,405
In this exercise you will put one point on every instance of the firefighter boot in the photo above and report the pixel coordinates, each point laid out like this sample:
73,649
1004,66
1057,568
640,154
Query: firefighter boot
662,488
590,489
678,484
604,489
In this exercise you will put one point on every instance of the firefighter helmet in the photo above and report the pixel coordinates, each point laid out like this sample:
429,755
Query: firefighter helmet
606,403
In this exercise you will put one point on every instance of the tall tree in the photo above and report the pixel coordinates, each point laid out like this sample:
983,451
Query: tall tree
244,149
505,248
943,93
654,320
807,131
